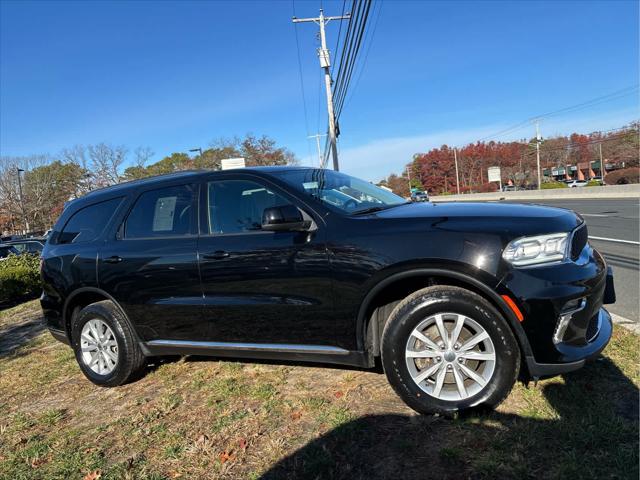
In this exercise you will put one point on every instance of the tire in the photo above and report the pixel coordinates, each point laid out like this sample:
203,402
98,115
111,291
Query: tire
456,389
119,358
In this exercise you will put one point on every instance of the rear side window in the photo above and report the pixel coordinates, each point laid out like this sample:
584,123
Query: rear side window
88,223
34,247
21,247
166,212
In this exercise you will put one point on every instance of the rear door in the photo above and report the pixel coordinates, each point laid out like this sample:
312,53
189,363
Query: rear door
149,264
260,286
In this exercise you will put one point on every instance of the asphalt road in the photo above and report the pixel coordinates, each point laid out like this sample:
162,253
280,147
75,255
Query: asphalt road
614,219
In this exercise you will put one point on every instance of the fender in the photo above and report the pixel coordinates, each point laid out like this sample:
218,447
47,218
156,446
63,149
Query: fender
108,297
362,321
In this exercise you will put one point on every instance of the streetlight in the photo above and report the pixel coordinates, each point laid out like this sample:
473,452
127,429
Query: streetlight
24,216
196,150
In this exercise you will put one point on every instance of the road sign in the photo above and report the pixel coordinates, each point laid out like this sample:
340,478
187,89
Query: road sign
229,163
494,174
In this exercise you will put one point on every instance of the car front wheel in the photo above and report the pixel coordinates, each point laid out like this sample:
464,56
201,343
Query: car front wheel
447,349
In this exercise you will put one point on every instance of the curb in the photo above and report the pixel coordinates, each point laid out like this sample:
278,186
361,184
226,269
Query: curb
634,326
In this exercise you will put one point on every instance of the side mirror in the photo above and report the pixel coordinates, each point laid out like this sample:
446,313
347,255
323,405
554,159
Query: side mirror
283,218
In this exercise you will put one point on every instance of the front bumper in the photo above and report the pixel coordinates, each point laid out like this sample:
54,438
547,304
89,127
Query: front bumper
575,357
564,319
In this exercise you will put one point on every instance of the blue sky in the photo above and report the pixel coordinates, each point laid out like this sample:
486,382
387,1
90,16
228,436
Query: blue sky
177,75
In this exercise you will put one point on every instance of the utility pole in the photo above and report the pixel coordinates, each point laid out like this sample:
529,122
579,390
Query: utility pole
24,215
601,164
538,153
317,136
409,177
325,63
455,157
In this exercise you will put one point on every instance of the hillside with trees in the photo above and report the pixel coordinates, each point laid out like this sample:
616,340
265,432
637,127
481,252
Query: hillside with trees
435,169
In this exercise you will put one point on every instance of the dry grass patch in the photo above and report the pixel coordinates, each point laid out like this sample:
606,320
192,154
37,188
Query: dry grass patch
207,418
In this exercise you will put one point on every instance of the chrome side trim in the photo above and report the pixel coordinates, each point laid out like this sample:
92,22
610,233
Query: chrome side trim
563,321
252,347
598,328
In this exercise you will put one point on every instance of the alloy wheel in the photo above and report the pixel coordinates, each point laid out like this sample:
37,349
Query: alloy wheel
450,356
99,347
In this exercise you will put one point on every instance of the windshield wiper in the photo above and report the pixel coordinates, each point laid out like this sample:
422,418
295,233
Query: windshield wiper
376,208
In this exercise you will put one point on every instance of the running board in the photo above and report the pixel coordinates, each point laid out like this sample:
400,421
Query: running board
265,351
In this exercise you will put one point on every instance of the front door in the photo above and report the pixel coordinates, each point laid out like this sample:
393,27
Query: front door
260,286
150,267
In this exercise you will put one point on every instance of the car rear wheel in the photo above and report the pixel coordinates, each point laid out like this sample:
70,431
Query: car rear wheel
105,345
446,349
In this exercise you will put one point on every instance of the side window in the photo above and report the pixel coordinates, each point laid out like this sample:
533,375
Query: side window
88,223
21,247
34,247
164,212
236,206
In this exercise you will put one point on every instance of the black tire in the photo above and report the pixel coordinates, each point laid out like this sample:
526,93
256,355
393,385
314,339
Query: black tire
130,357
427,302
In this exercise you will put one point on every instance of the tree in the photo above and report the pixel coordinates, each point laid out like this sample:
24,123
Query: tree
47,188
105,163
256,151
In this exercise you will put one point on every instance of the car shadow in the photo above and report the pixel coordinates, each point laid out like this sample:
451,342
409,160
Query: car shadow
17,335
593,433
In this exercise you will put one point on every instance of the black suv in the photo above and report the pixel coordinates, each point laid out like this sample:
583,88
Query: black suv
313,265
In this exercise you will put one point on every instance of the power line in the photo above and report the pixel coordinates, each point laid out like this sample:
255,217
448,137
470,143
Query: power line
368,49
304,101
335,50
580,106
591,141
352,58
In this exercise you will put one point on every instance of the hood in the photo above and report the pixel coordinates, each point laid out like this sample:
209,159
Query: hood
512,218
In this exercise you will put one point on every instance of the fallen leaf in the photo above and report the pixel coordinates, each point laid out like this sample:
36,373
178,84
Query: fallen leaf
226,456
95,475
296,415
338,394
243,444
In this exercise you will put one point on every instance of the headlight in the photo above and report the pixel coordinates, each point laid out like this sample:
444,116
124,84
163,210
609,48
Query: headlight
536,250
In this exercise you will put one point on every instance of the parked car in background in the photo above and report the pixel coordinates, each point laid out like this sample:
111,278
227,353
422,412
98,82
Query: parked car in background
456,300
576,183
509,188
419,196
28,245
6,250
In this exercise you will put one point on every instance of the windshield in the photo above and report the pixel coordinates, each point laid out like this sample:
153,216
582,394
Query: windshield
343,192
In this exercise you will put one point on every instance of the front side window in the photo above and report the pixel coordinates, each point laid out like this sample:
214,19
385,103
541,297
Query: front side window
88,223
339,191
236,206
166,212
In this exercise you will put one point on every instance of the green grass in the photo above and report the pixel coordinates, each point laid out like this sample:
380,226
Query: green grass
217,419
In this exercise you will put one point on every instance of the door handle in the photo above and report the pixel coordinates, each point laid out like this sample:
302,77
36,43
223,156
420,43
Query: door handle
114,259
217,255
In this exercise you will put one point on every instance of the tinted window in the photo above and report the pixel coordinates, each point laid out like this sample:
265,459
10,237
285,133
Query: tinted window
21,247
6,250
236,206
34,247
340,191
88,223
161,213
